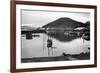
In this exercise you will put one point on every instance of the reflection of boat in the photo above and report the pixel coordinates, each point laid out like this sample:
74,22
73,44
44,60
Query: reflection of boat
36,35
49,43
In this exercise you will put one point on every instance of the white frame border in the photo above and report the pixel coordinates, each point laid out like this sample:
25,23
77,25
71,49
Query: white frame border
20,65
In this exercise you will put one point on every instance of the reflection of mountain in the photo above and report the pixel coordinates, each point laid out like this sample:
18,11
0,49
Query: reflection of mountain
62,29
62,37
64,23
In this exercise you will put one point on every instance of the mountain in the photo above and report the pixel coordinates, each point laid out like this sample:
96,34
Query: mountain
64,22
62,29
87,24
27,28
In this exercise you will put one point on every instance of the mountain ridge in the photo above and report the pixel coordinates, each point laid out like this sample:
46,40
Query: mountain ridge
64,22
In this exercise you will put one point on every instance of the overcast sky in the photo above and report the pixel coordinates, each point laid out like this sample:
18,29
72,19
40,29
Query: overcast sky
39,18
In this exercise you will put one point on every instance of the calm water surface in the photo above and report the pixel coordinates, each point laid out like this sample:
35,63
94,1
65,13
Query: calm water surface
37,47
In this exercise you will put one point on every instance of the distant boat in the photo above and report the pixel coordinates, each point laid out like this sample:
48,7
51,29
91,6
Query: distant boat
29,35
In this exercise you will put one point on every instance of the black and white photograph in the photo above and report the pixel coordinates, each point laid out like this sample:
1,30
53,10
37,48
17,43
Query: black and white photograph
48,35
52,36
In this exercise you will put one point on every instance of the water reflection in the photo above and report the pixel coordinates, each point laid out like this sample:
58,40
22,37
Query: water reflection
61,37
61,43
